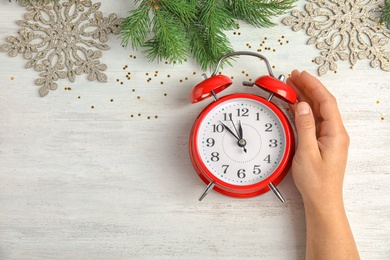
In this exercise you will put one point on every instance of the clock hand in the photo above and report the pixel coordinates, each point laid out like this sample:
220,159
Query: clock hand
240,130
231,120
241,142
229,130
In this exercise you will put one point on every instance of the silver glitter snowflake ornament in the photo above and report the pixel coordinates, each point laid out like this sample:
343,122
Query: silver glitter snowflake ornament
63,40
343,30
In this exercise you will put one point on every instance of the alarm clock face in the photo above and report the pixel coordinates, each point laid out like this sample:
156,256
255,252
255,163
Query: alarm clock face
241,140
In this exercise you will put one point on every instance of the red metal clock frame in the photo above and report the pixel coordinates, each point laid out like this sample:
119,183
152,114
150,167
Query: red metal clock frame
251,190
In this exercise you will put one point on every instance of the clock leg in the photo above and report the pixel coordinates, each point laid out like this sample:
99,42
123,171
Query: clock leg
207,190
276,192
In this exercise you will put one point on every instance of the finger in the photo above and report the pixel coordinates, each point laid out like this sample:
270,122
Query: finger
295,82
306,129
322,98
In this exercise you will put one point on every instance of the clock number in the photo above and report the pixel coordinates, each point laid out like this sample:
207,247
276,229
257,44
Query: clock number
267,159
258,116
210,142
218,128
226,167
268,127
256,169
273,143
241,173
243,112
215,157
227,117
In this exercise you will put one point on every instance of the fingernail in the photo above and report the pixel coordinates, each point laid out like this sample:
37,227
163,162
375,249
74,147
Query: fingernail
303,108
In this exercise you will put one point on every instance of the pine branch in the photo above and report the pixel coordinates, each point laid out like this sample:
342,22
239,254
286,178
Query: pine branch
213,19
258,13
182,28
168,43
385,16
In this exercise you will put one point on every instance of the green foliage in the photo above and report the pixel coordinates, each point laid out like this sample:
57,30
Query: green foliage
173,30
385,16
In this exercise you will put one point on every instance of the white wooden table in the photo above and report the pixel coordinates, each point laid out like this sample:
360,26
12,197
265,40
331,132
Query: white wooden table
102,171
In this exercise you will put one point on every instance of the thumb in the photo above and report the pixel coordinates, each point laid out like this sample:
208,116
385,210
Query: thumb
306,129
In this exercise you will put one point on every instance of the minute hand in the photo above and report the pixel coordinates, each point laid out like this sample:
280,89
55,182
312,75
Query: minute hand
229,130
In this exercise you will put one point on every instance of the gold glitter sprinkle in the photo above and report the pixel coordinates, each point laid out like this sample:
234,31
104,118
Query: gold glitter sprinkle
194,73
168,76
78,97
156,117
148,117
377,101
133,90
111,100
162,83
12,78
139,114
165,94
382,118
92,107
138,97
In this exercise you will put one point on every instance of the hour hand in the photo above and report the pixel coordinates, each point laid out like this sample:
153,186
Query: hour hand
240,134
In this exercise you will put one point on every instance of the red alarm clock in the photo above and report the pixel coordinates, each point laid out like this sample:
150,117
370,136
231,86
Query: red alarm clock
241,145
